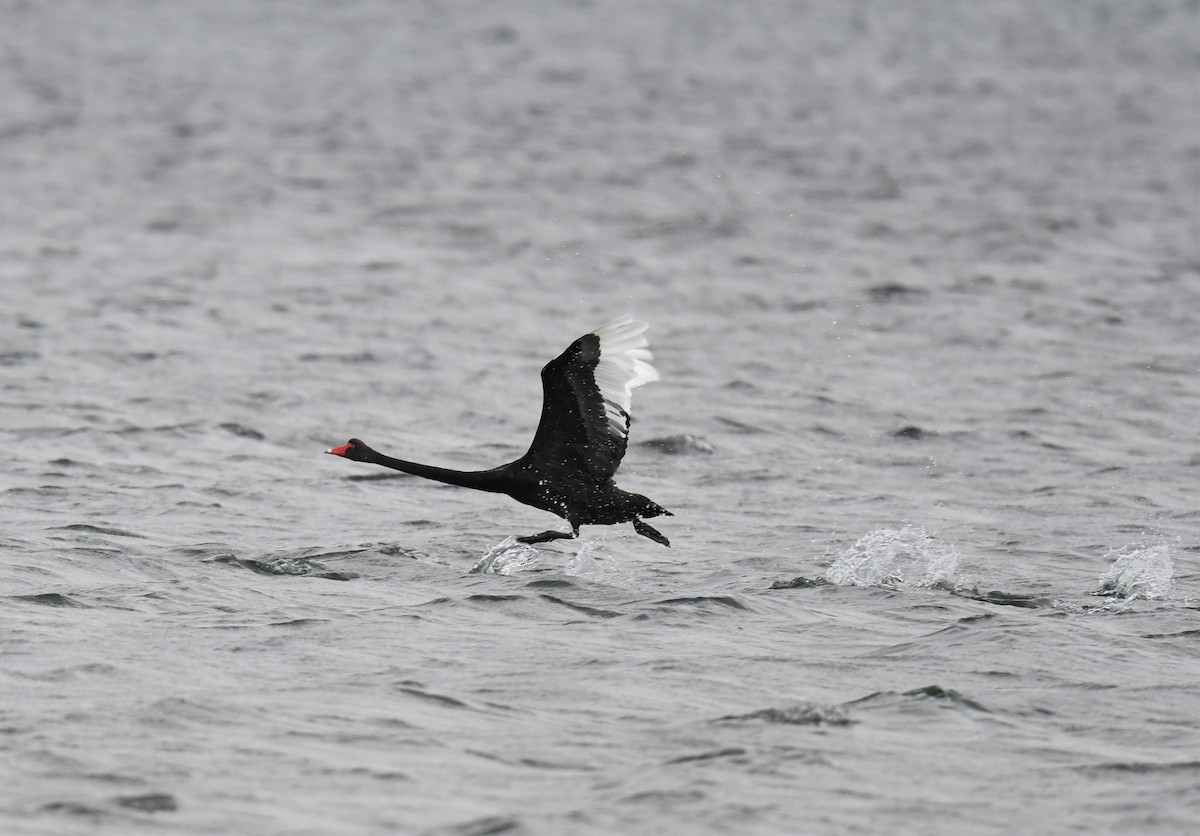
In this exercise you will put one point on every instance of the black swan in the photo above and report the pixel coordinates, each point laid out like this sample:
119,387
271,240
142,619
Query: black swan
579,443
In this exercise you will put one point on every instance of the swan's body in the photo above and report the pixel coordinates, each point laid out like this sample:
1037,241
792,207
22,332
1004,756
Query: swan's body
579,443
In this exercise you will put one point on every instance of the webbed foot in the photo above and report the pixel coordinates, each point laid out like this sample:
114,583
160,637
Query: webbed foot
648,531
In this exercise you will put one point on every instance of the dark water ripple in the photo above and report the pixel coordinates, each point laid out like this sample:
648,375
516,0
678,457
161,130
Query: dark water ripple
702,602
156,802
798,715
285,566
96,529
594,612
50,599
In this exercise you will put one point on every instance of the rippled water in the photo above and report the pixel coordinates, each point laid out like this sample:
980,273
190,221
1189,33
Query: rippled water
923,281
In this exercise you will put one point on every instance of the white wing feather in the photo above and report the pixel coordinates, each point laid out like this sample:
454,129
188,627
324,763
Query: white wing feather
624,365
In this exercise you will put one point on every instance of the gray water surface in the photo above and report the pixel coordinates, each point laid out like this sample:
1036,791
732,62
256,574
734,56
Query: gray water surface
923,281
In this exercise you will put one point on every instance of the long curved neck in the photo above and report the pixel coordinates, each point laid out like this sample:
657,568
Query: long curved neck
481,480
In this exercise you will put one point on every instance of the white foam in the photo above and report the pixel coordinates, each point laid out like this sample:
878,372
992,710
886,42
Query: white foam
904,558
507,558
1139,570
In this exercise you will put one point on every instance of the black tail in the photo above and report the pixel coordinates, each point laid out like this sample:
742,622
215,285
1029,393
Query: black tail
653,509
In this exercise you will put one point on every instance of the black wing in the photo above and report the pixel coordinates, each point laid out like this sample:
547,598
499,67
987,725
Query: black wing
575,432
586,398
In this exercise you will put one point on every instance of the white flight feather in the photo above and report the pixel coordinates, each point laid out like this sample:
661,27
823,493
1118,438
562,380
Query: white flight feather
624,365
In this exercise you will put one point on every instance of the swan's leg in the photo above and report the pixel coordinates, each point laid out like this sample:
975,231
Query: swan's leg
647,531
547,536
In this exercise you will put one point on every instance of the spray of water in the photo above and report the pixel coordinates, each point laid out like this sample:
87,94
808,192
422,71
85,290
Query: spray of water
905,558
592,561
506,558
1139,570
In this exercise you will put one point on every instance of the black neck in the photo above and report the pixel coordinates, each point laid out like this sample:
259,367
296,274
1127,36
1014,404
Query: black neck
482,480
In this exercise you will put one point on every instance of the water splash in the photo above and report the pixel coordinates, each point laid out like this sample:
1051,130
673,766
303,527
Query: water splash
507,558
587,563
907,558
596,562
1139,570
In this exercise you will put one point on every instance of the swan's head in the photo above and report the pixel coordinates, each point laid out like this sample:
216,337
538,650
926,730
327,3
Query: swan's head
352,449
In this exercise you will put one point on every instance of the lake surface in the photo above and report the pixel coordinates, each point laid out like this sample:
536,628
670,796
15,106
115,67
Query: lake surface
923,281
